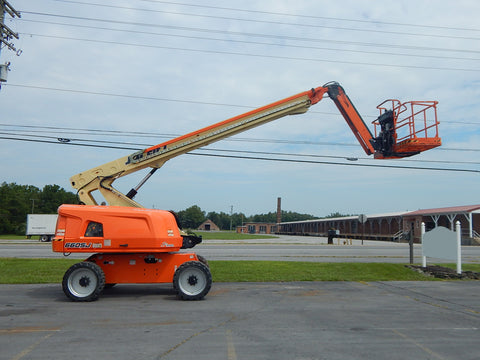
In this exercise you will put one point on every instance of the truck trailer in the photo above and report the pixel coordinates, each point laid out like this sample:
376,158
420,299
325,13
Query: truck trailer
42,225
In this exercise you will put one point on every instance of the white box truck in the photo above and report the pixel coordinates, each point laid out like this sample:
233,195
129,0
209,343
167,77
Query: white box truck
42,225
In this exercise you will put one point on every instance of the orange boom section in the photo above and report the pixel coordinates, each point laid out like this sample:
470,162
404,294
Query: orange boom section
115,229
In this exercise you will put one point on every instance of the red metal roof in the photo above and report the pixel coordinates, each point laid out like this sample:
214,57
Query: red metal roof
445,210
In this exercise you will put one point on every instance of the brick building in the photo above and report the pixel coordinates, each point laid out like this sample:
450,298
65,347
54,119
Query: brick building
257,228
392,226
208,225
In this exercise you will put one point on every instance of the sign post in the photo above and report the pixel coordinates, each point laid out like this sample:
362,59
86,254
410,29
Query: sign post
362,219
458,230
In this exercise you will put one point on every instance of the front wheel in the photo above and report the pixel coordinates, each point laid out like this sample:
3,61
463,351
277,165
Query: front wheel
192,280
83,281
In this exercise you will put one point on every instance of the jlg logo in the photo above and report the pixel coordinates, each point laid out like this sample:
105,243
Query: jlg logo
78,245
141,155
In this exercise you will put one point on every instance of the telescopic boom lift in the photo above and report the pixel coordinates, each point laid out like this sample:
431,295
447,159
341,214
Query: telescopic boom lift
404,130
141,245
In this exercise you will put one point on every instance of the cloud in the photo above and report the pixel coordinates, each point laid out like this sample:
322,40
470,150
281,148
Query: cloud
176,68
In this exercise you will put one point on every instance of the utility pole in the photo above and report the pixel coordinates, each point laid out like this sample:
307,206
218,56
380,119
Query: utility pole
6,36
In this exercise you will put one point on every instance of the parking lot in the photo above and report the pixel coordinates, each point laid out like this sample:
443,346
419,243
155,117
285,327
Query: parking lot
299,320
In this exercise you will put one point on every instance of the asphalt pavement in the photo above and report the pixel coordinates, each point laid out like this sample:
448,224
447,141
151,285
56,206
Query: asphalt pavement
297,320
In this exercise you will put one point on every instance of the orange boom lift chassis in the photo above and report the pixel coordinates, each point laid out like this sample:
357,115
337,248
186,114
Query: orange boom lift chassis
131,244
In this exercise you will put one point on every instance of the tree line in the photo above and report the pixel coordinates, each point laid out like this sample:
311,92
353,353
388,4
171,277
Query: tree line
16,201
194,216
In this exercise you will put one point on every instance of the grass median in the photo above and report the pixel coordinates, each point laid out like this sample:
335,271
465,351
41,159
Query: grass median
206,235
41,271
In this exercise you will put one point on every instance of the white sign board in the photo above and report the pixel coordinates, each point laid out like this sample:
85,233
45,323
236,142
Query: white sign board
362,218
442,243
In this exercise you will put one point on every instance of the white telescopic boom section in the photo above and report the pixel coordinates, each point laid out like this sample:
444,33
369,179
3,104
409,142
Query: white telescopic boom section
101,178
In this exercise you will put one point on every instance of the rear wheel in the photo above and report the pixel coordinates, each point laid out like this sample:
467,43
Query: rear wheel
83,281
203,260
192,280
44,238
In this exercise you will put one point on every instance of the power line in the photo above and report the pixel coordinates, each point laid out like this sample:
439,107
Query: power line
272,36
139,97
274,22
308,16
122,95
141,146
243,54
170,136
252,42
270,55
250,11
66,143
336,163
340,157
260,158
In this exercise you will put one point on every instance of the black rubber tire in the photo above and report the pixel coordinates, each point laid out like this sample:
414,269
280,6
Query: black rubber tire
83,281
192,280
44,238
203,260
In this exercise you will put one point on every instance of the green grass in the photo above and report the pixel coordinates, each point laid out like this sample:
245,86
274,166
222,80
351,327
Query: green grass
207,235
40,271
465,267
230,235
33,271
274,271
16,237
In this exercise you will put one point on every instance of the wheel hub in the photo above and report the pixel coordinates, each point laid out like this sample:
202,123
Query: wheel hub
192,280
84,281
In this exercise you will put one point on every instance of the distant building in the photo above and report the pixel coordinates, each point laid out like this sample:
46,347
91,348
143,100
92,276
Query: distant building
392,226
257,228
208,225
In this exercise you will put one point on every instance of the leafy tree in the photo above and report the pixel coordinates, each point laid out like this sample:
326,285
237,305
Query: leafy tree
222,220
336,215
16,201
238,219
52,196
287,216
192,217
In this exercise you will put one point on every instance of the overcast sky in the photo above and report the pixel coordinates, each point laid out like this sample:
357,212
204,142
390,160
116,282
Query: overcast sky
130,74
